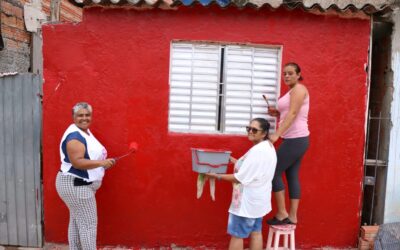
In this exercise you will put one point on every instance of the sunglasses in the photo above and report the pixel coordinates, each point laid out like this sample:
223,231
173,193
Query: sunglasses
253,130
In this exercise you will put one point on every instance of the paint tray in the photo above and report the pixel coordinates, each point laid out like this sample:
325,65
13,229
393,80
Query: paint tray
210,160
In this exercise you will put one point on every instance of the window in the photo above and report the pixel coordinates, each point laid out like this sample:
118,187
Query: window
216,88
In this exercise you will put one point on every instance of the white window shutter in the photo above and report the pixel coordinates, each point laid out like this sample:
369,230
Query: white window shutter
250,72
194,80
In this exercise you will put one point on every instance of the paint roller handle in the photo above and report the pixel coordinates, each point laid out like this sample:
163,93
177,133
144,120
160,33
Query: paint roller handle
271,110
266,100
122,156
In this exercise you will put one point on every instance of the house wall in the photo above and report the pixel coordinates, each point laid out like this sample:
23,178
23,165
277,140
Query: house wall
118,60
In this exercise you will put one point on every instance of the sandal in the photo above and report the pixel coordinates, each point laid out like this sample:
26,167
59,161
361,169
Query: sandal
276,221
288,221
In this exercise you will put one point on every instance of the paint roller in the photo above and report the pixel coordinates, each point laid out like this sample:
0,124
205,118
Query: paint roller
133,147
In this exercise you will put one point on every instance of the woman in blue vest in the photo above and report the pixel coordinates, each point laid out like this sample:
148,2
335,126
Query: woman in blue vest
83,162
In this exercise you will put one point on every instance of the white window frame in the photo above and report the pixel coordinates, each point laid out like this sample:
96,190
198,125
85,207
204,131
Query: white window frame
183,88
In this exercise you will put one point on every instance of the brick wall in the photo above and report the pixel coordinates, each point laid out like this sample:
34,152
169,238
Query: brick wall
16,54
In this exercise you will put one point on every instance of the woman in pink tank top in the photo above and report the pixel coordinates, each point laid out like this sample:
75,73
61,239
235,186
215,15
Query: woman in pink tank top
292,112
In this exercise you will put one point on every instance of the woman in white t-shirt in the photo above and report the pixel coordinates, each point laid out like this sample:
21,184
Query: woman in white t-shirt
83,161
252,185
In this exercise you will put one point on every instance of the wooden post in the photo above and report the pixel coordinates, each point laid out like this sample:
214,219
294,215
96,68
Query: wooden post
37,58
55,10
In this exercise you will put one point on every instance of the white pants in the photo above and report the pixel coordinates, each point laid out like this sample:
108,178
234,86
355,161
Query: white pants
81,202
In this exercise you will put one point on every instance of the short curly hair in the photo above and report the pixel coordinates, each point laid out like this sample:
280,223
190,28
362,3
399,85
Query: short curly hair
81,105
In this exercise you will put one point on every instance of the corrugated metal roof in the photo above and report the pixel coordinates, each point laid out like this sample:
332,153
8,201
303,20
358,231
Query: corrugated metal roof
367,6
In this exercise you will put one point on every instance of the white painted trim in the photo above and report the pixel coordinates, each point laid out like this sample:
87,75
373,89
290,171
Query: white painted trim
392,199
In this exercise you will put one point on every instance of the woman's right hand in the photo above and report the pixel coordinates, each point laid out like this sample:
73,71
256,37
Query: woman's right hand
273,112
108,163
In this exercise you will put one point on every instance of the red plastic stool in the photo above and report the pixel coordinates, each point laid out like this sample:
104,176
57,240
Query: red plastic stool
278,230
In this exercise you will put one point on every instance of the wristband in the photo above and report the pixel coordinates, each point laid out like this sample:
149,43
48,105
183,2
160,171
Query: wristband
219,177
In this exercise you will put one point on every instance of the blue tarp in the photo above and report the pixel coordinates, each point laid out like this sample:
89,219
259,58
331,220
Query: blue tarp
222,3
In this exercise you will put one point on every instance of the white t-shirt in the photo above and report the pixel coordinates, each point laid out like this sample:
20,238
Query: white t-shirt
255,170
94,150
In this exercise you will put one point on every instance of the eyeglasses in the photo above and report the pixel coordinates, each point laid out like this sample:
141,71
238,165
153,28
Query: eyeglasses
253,130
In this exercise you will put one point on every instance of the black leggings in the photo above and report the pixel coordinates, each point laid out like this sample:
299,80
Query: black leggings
290,154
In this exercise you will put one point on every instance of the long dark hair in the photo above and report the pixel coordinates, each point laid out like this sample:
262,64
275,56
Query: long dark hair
296,68
264,125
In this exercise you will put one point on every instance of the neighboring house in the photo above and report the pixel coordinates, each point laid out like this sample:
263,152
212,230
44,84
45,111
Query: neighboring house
21,214
16,41
15,54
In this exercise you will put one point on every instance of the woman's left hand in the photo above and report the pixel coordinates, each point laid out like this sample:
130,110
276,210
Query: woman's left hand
273,137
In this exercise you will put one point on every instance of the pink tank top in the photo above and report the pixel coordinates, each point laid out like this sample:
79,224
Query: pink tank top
299,127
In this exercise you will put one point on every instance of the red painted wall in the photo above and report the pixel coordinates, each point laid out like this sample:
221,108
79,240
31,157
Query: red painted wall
118,60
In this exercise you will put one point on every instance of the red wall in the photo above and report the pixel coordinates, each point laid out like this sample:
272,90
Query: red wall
118,60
